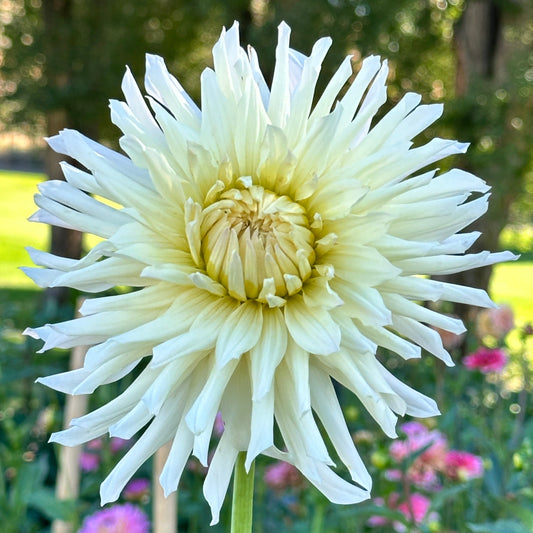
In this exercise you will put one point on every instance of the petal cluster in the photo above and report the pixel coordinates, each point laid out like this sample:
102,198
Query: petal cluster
271,245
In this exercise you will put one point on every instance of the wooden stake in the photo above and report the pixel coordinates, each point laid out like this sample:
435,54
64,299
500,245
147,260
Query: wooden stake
165,510
68,472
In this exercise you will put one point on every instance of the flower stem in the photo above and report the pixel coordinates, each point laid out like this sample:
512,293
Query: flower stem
243,496
318,518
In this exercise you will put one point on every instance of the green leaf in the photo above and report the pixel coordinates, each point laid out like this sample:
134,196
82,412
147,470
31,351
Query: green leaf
441,497
500,526
25,480
370,509
45,501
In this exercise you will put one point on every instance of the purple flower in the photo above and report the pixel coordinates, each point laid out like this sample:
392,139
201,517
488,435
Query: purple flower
116,444
219,425
89,462
125,518
95,444
137,489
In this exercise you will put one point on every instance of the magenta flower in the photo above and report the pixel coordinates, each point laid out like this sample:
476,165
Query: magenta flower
281,475
125,518
486,360
137,489
414,509
89,462
463,466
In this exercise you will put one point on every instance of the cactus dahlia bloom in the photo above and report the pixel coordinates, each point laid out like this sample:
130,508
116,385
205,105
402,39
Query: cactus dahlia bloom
273,246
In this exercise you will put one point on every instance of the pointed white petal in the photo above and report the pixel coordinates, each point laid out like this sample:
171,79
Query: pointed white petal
202,413
312,328
327,406
267,353
297,363
426,337
279,103
158,433
261,431
417,404
177,458
240,332
219,475
167,90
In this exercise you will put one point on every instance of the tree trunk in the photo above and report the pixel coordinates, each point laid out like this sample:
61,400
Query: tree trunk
57,16
478,47
477,39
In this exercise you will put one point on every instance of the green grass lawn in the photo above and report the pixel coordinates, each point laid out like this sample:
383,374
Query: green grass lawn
16,232
512,283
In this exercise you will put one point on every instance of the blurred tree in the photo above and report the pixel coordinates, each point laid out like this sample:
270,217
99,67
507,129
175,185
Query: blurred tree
493,108
63,59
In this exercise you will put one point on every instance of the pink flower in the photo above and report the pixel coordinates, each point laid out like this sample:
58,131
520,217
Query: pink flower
423,471
376,520
486,360
413,429
89,462
450,340
125,518
418,437
463,465
424,477
219,425
495,322
116,444
95,444
281,475
137,489
415,509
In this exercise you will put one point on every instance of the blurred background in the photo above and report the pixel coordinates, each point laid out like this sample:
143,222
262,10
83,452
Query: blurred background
60,63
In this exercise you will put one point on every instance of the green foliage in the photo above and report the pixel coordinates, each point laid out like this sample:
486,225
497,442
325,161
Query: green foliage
71,55
27,415
500,526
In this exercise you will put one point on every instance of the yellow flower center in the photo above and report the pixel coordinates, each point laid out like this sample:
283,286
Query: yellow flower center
257,244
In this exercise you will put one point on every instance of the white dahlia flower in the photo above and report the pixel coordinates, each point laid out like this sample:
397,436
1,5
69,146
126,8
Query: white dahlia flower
274,245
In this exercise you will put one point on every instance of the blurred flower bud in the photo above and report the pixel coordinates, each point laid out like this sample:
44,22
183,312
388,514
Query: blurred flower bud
495,322
281,475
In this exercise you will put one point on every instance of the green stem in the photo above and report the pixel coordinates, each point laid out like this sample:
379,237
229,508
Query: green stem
243,496
318,518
